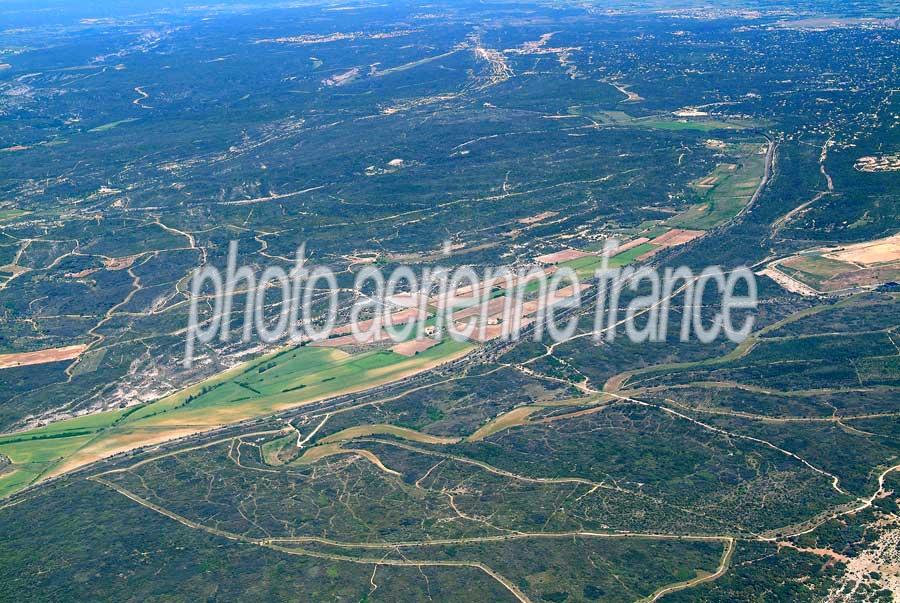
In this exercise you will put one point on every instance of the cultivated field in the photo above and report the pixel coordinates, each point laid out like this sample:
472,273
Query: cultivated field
274,383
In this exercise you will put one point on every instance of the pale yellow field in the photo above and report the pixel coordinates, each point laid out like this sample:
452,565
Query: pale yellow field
517,416
880,251
362,431
41,356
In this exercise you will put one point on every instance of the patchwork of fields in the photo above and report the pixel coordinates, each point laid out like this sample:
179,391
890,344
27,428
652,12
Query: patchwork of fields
140,144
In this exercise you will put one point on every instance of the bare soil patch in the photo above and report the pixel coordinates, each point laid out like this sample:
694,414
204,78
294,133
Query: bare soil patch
411,348
632,244
118,263
538,218
41,356
880,251
676,236
558,257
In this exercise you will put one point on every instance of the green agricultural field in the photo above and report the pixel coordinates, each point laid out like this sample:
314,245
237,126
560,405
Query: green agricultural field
586,267
112,125
699,124
814,269
666,122
33,457
14,480
273,383
731,187
11,214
